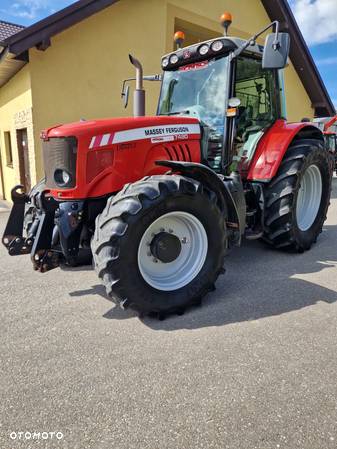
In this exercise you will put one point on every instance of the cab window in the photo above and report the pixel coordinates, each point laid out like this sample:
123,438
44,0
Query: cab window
259,106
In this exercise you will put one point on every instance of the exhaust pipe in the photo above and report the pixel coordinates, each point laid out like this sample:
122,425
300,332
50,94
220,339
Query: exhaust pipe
139,93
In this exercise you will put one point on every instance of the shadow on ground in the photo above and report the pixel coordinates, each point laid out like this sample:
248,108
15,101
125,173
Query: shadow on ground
260,282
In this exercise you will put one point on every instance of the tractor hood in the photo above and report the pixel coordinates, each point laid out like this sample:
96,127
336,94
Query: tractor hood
100,156
127,129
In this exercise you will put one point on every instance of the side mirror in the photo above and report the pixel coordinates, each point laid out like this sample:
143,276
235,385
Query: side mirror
276,51
125,95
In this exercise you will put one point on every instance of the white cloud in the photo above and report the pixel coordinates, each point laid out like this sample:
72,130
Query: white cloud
317,19
327,61
29,9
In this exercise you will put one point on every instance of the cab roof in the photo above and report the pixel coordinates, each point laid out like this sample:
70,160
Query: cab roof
191,53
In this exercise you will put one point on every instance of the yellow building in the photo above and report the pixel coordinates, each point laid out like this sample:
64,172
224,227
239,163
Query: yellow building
71,65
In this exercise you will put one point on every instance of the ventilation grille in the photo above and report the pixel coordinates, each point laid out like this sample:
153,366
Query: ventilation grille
179,152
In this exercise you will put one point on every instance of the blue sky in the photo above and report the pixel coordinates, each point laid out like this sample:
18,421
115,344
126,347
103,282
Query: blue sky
26,12
317,20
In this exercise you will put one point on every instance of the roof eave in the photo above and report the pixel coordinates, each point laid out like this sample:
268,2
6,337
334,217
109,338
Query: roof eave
301,57
43,30
9,65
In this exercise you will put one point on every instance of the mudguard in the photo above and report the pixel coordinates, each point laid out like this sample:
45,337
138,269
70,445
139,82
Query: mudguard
273,146
229,191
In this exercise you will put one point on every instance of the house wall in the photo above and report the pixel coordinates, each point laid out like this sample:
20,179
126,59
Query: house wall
16,113
80,75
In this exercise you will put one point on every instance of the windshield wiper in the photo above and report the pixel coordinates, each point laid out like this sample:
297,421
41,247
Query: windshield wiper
177,112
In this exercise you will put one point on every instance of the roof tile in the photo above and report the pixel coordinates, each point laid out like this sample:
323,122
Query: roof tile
7,29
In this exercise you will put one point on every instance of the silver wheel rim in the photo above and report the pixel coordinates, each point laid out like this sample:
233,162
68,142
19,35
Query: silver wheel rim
309,198
194,246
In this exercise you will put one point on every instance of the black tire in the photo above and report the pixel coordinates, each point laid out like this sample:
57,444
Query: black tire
282,230
120,227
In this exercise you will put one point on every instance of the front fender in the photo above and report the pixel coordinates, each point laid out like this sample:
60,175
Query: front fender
229,191
273,146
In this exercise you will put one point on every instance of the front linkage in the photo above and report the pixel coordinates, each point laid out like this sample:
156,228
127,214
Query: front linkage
53,236
13,238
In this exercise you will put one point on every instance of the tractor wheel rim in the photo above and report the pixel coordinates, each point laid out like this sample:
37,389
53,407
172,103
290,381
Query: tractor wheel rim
309,197
194,245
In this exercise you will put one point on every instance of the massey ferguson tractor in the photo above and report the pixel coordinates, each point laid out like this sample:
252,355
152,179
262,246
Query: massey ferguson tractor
158,200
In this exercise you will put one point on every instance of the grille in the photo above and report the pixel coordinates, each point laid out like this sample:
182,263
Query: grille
180,152
59,153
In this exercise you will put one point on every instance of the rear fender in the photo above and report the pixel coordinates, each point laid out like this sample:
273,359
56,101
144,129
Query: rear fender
273,146
229,192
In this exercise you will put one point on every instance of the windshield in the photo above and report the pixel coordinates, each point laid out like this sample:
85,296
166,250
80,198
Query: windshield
200,90
196,89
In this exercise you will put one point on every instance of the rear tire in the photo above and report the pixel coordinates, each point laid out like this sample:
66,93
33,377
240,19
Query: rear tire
129,217
297,199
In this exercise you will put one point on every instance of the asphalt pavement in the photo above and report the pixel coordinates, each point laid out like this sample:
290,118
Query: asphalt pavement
254,367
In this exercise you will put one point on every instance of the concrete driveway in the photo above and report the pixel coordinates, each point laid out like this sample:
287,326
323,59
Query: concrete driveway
255,367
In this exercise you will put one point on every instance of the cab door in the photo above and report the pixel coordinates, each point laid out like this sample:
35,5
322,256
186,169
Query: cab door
259,107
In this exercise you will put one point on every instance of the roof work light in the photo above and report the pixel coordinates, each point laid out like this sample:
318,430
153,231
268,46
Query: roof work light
179,38
226,20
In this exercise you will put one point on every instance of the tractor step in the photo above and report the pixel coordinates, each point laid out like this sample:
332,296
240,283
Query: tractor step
253,235
251,213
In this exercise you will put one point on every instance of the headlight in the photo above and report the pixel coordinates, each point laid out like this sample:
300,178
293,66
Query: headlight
174,59
165,62
62,177
217,46
203,49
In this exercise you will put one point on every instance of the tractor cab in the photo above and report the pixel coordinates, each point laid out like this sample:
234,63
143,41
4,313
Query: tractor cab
330,139
329,128
331,142
232,86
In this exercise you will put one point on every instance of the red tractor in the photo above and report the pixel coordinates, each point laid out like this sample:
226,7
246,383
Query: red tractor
158,200
329,128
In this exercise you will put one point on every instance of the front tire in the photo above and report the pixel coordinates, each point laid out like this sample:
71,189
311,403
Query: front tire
297,199
159,244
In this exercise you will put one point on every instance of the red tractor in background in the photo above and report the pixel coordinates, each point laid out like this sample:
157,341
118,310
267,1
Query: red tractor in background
329,128
158,200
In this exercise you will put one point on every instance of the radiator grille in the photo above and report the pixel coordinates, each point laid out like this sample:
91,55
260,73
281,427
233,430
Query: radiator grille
59,153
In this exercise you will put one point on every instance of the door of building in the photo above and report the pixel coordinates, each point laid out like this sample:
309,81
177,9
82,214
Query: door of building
21,135
2,182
